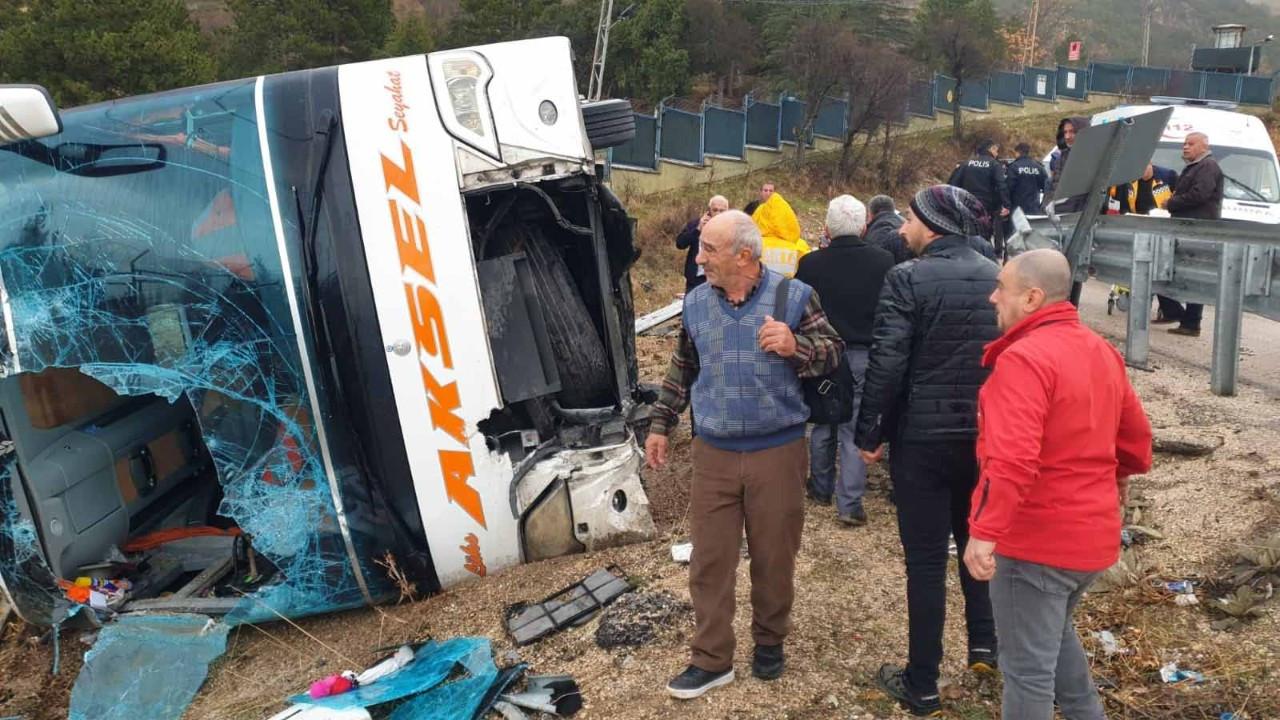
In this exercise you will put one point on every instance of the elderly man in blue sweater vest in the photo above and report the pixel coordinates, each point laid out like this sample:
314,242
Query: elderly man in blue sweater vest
741,360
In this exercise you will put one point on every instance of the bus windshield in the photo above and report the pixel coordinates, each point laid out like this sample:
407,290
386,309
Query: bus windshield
143,246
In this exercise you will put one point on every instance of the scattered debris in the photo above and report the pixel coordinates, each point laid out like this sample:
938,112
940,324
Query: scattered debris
1171,674
1186,600
571,606
1128,571
1140,531
1187,444
682,553
1108,642
1180,586
441,680
1241,605
641,618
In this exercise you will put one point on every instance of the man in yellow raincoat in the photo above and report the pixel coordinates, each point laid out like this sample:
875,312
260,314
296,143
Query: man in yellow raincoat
783,247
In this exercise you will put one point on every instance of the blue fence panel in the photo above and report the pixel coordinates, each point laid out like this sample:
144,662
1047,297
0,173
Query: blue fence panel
1040,84
1256,90
642,150
976,95
1073,83
945,95
1110,78
1006,87
1149,81
831,119
792,117
681,136
1222,86
762,125
1185,84
922,99
724,132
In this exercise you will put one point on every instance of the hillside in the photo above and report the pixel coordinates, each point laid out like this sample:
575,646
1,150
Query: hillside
1112,31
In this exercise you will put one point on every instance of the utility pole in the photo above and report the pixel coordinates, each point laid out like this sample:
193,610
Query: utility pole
1146,31
1032,22
595,87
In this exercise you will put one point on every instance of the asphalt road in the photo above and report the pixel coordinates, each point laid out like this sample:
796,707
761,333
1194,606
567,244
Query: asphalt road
1259,351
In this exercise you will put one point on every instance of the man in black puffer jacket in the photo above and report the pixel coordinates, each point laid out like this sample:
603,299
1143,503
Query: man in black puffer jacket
882,229
921,396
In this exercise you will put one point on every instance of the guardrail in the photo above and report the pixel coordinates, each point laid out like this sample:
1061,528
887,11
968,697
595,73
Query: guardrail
1230,264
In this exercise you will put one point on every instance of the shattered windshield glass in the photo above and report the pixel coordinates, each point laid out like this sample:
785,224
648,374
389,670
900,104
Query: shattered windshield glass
140,247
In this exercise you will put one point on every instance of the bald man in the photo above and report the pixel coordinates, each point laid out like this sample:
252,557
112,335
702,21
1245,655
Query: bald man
1197,194
1060,430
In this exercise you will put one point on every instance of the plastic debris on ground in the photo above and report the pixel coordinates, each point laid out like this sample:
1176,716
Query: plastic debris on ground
555,694
1180,587
1107,640
459,698
682,553
146,666
1171,674
306,712
432,664
571,606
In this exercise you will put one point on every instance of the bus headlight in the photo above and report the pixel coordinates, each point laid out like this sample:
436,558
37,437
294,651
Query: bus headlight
461,82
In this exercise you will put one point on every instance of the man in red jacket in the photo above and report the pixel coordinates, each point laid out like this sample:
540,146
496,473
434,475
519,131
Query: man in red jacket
1060,430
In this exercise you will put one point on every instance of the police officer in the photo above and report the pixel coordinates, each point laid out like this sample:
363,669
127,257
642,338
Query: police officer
983,176
1027,180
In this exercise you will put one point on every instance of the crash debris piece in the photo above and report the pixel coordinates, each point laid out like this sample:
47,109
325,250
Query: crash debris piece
146,666
682,553
641,618
1182,442
570,606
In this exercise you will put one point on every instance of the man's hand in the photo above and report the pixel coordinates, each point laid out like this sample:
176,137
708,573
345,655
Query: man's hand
702,222
980,558
655,450
1123,483
776,337
1004,212
874,456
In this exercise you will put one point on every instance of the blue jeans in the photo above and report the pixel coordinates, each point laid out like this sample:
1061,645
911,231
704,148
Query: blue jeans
823,442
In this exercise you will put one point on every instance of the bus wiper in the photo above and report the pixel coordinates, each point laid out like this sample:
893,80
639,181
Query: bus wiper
92,159
1246,188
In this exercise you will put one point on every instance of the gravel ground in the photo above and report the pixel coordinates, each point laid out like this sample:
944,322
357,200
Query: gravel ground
850,609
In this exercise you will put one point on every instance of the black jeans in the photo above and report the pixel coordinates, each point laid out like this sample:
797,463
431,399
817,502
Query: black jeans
1188,317
932,484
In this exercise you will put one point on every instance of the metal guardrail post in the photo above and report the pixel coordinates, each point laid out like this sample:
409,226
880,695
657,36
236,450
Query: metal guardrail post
1228,319
1137,339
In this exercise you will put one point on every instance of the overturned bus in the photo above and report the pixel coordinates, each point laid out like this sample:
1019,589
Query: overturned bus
268,344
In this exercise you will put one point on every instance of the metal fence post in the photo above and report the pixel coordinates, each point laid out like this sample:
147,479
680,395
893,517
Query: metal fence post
1137,338
1228,317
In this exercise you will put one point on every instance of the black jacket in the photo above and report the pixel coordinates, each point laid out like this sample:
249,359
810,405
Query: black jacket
925,366
847,276
1198,193
983,176
901,253
688,240
882,232
1027,179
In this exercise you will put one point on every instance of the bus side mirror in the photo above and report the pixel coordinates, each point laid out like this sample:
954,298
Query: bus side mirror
27,112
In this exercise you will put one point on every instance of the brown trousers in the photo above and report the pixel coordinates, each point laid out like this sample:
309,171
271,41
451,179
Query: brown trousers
764,490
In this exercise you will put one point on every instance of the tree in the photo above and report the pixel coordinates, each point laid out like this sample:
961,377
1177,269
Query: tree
719,41
816,58
411,35
85,51
962,38
479,22
874,78
647,59
269,36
